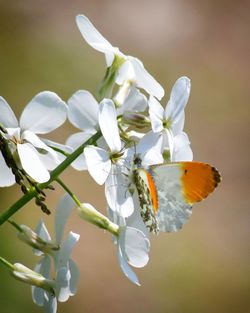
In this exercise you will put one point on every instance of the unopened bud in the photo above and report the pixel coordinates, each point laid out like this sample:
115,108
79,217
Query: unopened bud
33,278
90,214
136,119
28,236
24,189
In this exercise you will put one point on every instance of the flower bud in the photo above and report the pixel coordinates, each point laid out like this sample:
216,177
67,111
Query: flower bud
28,236
90,214
30,277
136,119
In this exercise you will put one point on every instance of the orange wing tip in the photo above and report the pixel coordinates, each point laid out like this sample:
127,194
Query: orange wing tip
217,176
199,180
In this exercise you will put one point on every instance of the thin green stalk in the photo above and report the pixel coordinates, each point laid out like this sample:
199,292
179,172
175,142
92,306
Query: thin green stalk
60,151
90,214
72,195
6,263
15,225
53,175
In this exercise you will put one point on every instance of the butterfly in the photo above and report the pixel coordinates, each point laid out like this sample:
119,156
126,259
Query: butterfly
168,191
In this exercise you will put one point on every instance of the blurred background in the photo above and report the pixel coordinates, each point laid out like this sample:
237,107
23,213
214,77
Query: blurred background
206,266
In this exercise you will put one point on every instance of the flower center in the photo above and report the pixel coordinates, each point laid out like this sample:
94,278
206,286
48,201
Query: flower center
16,141
167,123
114,157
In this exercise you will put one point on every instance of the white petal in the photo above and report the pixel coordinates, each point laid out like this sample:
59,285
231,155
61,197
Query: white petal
51,143
38,143
117,194
74,276
126,268
13,132
6,177
182,149
135,135
135,102
43,268
44,113
168,140
42,232
135,245
31,163
67,248
108,125
49,161
94,38
125,73
150,148
63,284
75,141
117,219
60,156
178,98
152,157
83,110
63,210
135,219
7,116
50,305
145,80
98,163
178,125
156,113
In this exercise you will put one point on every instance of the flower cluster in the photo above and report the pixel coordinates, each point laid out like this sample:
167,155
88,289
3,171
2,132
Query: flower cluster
122,130
132,121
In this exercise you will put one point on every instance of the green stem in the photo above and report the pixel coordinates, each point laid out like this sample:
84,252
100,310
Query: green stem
60,151
15,225
6,263
90,214
72,195
53,175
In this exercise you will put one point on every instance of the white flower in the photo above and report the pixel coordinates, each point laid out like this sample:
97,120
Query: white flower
99,160
132,244
43,114
105,165
129,99
66,271
130,68
83,112
149,150
169,123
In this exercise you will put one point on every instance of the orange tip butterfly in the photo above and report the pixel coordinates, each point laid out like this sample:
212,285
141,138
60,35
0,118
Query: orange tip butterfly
168,191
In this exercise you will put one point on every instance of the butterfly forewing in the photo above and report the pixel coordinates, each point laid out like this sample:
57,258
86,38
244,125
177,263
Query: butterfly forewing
173,210
179,185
